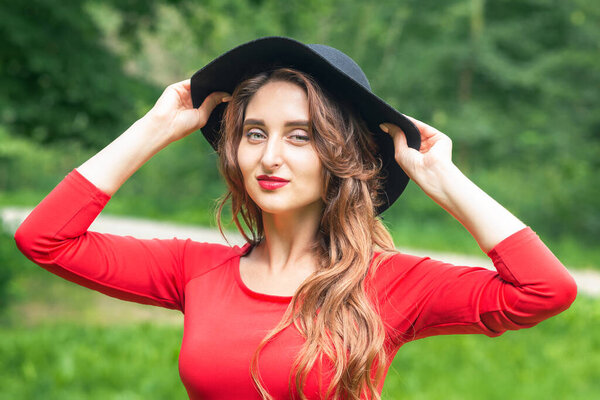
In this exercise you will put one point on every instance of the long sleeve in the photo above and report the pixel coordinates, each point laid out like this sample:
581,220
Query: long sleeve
55,236
421,297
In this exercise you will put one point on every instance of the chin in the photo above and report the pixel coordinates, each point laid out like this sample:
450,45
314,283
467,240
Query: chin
281,208
279,203
272,208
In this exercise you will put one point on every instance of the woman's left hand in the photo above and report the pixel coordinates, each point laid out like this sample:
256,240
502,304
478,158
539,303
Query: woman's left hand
425,164
432,169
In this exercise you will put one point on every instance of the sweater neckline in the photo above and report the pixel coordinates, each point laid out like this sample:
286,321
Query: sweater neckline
257,295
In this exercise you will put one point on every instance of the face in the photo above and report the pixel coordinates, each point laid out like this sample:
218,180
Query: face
281,169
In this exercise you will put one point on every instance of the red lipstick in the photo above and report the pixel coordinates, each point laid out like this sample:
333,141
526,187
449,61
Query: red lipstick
271,182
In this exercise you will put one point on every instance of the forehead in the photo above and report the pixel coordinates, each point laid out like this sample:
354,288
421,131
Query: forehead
278,101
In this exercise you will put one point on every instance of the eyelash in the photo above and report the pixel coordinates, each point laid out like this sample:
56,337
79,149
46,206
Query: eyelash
250,133
302,138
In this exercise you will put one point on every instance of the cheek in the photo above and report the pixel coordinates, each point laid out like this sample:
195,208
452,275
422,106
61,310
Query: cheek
314,172
316,161
243,161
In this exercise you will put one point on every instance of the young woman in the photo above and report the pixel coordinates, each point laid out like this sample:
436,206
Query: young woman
317,302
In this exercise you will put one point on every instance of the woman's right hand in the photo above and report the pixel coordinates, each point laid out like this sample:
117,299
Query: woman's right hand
172,117
175,113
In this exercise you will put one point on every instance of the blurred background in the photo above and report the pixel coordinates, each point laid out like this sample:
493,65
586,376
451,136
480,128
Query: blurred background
515,84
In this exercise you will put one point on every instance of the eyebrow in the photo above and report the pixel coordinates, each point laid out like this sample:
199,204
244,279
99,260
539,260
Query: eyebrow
260,122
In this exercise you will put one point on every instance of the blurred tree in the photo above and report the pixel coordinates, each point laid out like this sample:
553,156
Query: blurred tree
58,78
12,264
512,82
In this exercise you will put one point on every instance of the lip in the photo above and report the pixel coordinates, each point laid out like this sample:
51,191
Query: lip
271,178
271,182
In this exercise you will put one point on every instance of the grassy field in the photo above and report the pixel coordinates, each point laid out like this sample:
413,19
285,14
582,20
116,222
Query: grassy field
558,359
61,341
73,361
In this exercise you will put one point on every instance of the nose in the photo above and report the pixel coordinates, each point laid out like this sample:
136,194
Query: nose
272,157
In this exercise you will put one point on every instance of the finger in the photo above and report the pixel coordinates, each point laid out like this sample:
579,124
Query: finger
182,84
425,130
404,155
223,97
393,130
415,121
214,99
398,136
185,83
208,105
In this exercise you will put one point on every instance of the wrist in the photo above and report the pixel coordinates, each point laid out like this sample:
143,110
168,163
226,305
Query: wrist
440,180
155,129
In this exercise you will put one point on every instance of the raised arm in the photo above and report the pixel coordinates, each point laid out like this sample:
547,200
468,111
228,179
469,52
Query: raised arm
433,170
172,118
55,234
529,286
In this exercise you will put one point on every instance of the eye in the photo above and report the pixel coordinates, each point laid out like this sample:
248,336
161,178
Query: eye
255,134
300,137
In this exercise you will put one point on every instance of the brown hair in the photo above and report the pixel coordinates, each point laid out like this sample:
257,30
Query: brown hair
331,309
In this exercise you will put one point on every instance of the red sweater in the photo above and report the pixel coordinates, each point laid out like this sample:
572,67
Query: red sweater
225,320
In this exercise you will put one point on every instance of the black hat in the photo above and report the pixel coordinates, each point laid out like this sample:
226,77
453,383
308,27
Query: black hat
332,69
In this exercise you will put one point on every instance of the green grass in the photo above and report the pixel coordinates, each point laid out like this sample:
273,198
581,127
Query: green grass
71,361
559,359
69,354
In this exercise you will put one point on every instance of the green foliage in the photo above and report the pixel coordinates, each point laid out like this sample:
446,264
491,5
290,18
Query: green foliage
11,261
58,80
70,361
513,83
182,181
27,166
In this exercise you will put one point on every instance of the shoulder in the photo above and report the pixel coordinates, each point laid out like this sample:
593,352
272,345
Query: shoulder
405,269
395,263
201,257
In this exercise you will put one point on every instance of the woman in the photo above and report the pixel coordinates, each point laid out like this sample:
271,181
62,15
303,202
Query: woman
318,302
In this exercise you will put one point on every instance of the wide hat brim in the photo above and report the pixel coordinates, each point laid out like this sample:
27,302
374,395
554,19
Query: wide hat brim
231,68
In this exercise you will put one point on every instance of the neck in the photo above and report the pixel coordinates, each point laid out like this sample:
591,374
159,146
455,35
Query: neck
289,238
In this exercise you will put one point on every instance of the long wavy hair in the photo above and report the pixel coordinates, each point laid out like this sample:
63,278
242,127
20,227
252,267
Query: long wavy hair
331,309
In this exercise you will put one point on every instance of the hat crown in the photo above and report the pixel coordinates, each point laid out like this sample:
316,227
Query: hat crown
342,62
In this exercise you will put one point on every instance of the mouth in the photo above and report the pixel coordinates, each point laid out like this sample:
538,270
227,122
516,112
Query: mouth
271,182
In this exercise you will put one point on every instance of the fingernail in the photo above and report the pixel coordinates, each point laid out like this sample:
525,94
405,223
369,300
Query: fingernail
226,99
384,128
